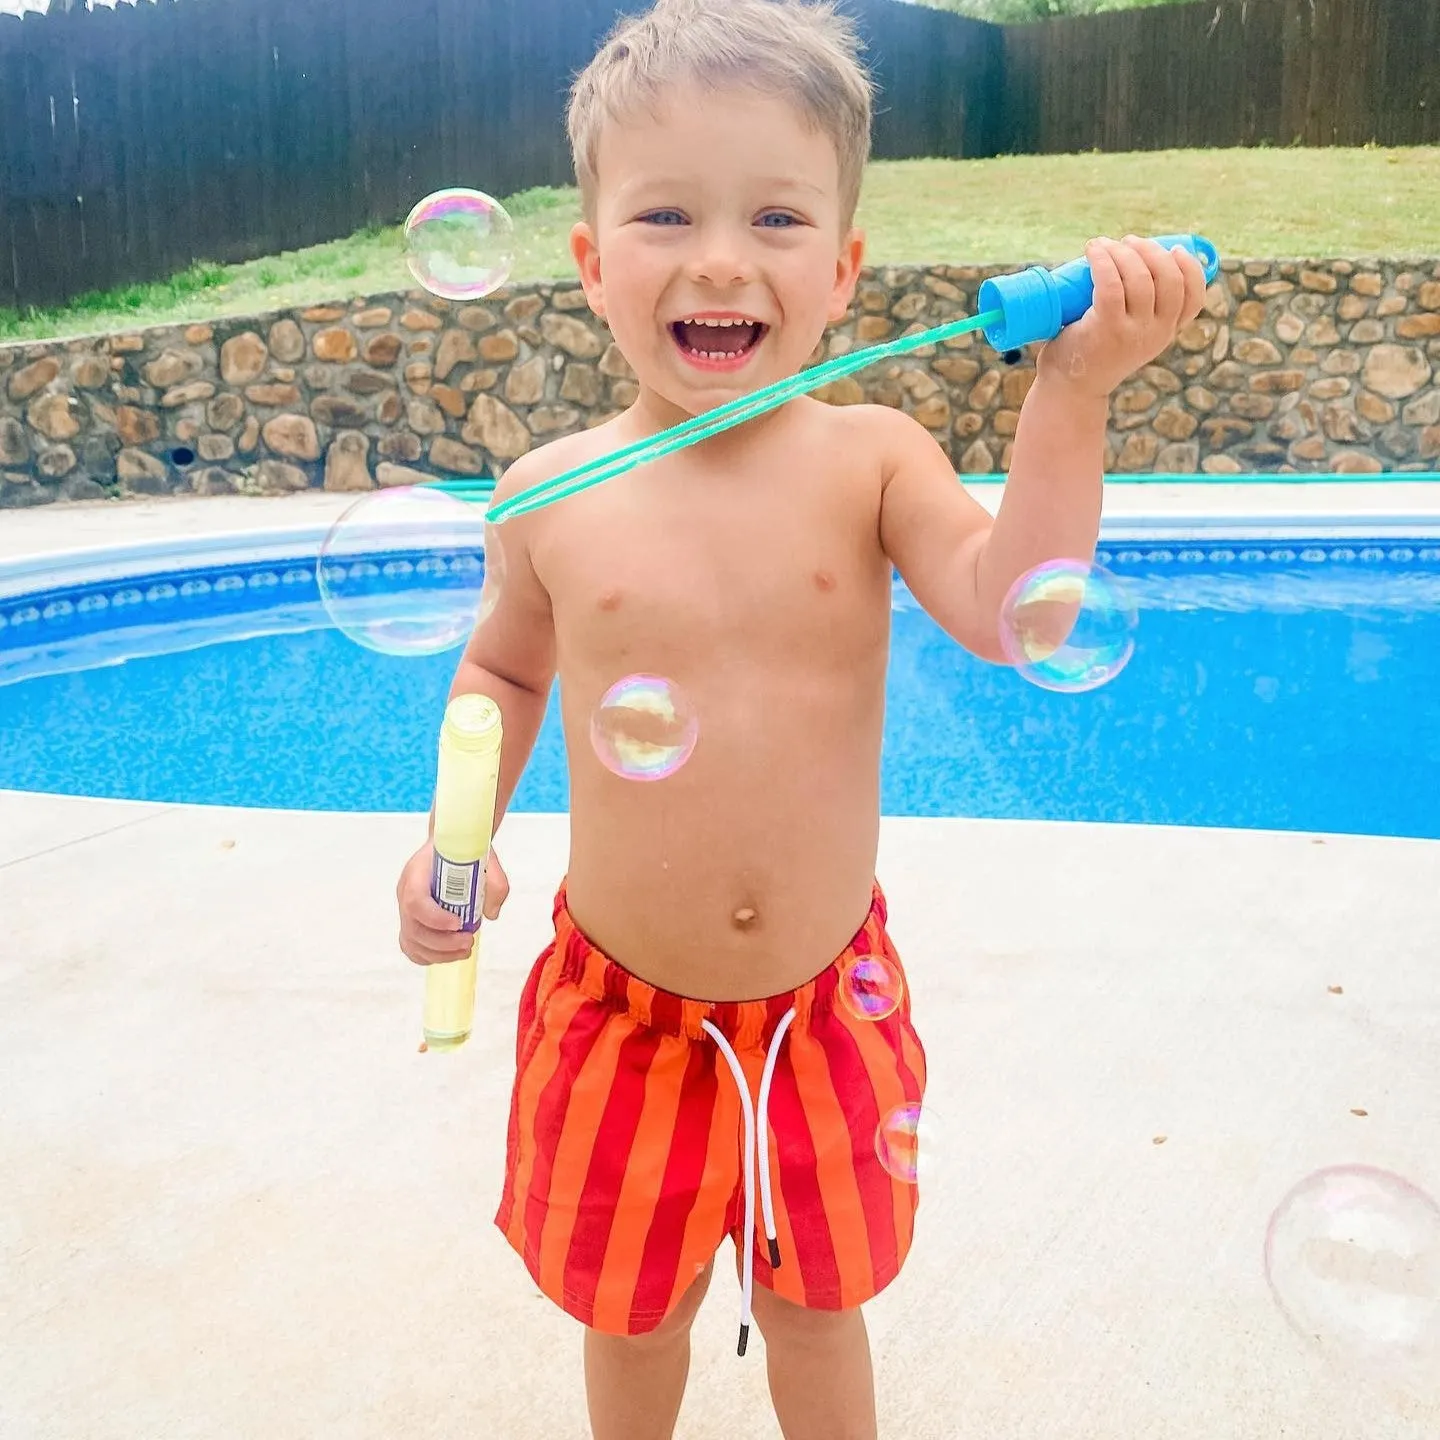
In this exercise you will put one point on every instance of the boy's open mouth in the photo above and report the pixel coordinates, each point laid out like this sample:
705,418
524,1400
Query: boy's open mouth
718,344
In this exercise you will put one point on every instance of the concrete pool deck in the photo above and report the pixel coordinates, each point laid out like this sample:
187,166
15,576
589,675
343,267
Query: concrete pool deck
237,1204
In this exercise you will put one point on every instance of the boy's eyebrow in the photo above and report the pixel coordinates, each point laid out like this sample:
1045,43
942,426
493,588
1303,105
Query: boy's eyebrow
792,182
648,183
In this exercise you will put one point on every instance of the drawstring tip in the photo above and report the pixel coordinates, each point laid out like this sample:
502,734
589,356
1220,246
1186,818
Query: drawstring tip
774,1252
744,1340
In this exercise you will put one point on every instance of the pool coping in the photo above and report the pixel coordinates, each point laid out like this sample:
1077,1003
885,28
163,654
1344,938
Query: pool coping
174,532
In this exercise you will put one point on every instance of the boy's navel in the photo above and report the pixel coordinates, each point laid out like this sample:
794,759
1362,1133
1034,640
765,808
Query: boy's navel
744,918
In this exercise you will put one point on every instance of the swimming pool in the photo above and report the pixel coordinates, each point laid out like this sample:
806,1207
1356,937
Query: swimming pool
1277,683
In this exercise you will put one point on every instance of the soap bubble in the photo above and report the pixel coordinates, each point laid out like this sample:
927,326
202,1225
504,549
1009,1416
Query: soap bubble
905,1142
402,571
1068,626
460,244
870,987
1353,1258
644,728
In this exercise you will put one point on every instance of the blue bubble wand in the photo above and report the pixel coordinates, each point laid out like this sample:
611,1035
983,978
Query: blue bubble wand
1015,310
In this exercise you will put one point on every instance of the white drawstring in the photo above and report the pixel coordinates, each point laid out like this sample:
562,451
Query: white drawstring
762,1139
754,1162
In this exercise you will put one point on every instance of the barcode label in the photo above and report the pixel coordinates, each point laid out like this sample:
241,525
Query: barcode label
454,883
458,888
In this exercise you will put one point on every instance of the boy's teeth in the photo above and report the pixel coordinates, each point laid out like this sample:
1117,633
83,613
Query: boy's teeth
718,338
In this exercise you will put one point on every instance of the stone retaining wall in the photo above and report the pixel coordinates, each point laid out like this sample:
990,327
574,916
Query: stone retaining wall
1323,366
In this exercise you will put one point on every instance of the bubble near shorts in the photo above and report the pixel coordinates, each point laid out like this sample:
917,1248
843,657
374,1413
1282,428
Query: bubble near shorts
627,1153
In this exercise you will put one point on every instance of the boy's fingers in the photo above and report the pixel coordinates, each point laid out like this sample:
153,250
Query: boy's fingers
429,922
425,910
433,947
1170,284
429,933
497,886
495,873
1195,284
440,937
1138,281
1109,288
1168,278
424,955
443,929
418,905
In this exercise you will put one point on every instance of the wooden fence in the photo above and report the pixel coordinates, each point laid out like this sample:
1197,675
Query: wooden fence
1226,72
137,140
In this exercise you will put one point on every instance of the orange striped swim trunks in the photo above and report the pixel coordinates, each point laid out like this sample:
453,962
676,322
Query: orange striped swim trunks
643,1124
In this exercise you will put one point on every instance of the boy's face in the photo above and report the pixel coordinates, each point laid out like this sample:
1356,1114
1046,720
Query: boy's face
724,206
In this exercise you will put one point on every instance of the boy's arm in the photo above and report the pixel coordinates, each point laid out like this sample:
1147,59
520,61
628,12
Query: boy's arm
956,561
510,655
959,564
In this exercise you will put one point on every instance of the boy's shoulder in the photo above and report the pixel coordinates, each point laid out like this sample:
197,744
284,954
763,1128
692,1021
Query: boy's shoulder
555,457
862,433
866,418
870,431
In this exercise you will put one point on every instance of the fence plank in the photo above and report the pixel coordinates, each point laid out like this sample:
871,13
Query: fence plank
12,159
240,206
102,205
46,278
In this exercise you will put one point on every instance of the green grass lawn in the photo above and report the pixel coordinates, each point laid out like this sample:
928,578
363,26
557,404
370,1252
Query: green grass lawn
1252,203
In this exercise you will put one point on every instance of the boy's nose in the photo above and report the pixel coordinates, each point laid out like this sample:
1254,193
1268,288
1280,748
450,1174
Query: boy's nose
721,262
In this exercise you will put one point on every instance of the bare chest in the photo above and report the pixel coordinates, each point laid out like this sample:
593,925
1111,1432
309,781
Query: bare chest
788,573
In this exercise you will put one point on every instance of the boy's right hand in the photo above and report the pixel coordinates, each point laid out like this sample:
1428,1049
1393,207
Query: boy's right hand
430,934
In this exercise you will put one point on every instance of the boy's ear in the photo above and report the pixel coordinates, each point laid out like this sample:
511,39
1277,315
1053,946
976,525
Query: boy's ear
586,253
847,274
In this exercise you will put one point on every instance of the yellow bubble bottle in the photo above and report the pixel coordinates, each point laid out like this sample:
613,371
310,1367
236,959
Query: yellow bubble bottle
466,777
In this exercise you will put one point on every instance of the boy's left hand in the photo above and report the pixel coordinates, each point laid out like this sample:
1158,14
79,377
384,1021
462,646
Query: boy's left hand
1143,295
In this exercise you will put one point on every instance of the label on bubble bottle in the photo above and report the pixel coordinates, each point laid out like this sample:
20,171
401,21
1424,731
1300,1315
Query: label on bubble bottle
459,888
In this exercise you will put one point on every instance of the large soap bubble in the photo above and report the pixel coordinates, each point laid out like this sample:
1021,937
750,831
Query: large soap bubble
460,244
906,1144
870,987
1068,626
402,571
644,728
1353,1258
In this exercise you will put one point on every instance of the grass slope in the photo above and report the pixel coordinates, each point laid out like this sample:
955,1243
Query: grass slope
1009,210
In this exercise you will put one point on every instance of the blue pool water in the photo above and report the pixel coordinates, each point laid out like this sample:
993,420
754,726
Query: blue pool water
1288,686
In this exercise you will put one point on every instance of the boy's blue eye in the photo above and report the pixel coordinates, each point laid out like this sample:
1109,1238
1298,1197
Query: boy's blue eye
777,220
663,217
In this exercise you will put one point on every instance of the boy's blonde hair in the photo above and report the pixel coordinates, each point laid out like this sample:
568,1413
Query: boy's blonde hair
806,53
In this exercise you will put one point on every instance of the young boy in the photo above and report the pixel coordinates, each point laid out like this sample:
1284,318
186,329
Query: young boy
719,146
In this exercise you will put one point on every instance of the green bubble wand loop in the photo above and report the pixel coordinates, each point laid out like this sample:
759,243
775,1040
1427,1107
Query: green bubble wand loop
702,427
1022,308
